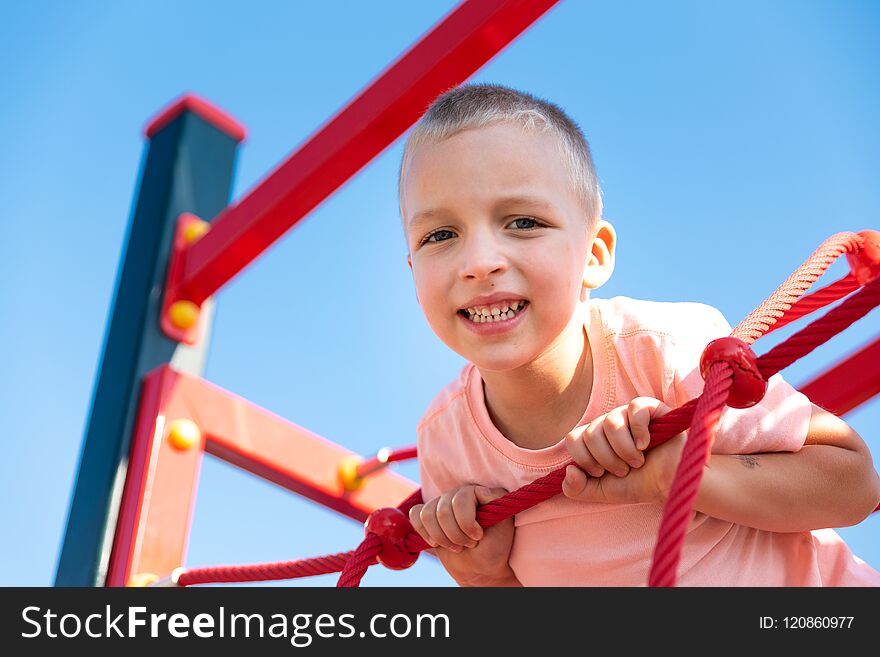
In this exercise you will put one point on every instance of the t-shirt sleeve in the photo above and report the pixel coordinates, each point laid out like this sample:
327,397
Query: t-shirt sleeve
778,423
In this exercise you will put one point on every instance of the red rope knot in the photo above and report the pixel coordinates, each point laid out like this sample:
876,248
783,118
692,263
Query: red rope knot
392,527
865,263
749,385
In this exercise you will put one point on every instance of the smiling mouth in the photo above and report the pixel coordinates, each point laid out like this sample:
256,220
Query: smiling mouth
510,313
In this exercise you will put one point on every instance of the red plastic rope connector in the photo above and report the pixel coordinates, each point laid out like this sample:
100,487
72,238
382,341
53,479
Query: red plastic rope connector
865,263
749,385
392,528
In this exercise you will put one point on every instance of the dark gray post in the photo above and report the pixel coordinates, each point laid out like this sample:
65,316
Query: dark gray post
189,166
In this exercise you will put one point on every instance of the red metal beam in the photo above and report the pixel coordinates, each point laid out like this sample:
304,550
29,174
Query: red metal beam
452,51
159,494
848,384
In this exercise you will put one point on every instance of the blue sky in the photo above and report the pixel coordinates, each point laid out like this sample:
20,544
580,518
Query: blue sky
730,138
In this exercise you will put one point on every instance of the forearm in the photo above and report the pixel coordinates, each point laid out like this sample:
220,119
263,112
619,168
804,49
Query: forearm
818,486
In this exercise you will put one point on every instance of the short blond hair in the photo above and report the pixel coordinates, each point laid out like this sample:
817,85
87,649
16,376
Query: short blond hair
479,105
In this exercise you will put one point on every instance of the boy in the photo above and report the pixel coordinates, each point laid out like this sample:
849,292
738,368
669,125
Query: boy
502,215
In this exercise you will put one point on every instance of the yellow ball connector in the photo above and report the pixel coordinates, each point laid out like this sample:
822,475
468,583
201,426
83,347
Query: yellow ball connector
184,434
195,230
348,473
183,314
140,580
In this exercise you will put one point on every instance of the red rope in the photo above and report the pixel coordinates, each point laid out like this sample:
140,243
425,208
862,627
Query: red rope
333,563
819,299
700,414
403,454
804,341
267,571
777,304
377,463
686,484
696,451
361,559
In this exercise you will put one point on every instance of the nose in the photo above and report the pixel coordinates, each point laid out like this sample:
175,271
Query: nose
482,256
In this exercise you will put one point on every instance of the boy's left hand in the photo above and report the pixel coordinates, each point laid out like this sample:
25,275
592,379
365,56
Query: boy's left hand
610,449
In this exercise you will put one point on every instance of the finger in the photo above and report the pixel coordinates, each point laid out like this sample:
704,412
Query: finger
417,525
601,450
660,409
575,482
577,448
429,520
446,518
464,506
639,414
617,431
486,495
641,411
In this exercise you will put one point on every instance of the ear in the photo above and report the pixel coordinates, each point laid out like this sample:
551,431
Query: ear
600,264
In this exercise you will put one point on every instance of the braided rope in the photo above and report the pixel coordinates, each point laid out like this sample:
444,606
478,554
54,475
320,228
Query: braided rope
777,304
686,484
696,451
819,299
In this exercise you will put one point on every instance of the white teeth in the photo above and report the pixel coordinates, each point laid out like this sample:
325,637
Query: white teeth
495,313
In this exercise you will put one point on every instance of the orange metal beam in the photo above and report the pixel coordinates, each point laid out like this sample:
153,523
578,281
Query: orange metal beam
159,494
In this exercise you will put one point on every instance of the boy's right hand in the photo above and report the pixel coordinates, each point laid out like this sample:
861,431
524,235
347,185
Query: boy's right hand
472,556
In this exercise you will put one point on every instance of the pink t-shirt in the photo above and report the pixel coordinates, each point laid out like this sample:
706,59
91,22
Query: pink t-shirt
639,348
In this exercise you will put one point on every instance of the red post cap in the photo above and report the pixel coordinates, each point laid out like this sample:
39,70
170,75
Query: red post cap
749,384
391,526
865,263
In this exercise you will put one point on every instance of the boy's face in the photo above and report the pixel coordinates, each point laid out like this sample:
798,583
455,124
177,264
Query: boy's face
492,210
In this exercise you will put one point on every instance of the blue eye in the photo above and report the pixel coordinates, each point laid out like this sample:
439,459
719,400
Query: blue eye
436,232
524,219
